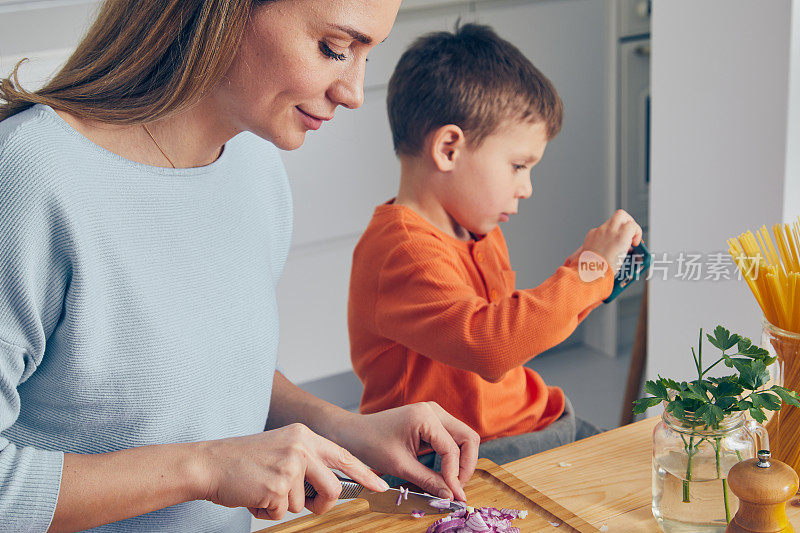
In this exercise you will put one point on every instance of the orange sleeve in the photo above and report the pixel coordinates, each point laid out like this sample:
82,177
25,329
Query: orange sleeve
425,305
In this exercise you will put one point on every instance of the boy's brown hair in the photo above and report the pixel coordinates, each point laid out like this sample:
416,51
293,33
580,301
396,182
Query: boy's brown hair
471,78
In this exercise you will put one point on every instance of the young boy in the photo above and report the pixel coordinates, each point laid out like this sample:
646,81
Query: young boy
433,312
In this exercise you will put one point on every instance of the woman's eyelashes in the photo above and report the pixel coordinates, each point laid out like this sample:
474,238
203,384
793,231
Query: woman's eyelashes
518,168
326,51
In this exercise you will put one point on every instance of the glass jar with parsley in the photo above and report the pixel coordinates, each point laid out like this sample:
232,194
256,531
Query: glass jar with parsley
710,424
691,461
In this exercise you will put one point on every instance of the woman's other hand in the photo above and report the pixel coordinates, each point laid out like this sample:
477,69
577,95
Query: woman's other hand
390,441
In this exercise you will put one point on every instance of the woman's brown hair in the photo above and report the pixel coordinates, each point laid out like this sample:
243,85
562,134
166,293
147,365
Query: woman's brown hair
140,60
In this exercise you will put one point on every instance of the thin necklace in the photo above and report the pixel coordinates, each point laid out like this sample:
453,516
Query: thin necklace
158,145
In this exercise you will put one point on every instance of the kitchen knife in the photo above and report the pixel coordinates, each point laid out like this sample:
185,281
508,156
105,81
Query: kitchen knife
396,501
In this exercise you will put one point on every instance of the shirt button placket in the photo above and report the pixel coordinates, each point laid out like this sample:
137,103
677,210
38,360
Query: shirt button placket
479,257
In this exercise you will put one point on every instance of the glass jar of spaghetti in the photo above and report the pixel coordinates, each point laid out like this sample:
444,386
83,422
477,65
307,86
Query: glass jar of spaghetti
783,426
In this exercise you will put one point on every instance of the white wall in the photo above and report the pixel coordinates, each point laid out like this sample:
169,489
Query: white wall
791,199
45,32
32,25
720,77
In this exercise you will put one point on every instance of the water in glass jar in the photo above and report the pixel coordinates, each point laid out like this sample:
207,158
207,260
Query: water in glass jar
705,511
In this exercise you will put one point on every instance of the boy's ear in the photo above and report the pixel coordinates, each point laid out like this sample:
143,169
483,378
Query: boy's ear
446,145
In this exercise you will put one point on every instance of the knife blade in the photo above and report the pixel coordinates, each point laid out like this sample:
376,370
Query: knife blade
395,501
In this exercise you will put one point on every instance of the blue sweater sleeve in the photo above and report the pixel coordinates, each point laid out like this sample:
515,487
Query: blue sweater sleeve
34,272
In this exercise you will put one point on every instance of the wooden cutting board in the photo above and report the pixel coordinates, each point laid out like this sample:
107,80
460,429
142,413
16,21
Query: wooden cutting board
490,486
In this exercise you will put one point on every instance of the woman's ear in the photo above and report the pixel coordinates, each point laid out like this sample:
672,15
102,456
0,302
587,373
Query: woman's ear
446,145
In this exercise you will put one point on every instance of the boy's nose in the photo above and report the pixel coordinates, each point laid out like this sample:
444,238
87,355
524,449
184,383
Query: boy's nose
526,188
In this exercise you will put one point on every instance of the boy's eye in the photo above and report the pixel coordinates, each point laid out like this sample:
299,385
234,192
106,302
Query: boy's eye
326,51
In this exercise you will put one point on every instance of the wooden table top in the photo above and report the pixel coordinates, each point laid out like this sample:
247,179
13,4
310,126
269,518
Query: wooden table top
605,479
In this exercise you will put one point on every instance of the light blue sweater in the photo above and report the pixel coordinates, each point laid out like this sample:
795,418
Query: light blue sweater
137,306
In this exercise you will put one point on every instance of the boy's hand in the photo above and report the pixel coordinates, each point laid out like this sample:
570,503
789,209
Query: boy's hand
614,239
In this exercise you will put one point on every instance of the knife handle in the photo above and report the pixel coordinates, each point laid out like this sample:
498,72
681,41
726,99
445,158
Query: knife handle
350,489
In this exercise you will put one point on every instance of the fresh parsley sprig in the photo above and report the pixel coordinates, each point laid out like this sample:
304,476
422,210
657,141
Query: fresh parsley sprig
709,400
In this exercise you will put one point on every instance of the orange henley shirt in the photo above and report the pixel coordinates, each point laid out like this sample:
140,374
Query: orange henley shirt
433,318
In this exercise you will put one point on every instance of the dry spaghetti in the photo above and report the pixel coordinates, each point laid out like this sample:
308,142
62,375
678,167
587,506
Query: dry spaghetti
772,271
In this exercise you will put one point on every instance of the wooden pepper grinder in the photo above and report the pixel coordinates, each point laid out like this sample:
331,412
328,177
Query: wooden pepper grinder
763,488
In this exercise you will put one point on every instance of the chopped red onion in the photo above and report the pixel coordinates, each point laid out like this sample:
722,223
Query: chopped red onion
476,523
481,520
450,526
440,504
416,513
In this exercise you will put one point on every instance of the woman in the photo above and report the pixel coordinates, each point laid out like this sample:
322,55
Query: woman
141,239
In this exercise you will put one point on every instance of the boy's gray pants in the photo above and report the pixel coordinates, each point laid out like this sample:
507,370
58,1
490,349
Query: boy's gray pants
568,428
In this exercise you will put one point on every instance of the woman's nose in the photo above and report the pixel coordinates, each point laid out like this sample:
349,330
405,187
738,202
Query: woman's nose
348,90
